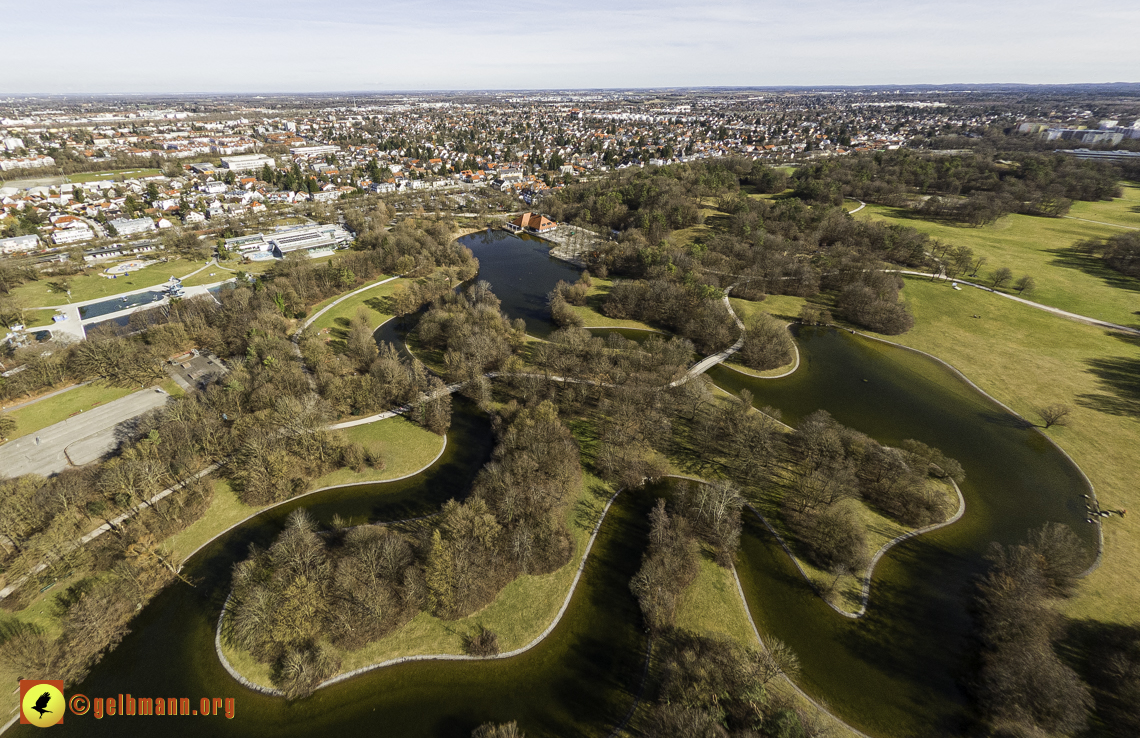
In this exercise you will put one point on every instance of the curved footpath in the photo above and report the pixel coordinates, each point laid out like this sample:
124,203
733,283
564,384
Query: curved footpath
334,303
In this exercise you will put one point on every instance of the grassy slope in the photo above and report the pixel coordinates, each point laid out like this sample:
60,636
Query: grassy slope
711,606
372,299
406,447
55,409
518,615
1025,358
1042,248
91,286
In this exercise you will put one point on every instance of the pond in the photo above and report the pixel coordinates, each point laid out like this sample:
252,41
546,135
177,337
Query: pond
578,681
521,272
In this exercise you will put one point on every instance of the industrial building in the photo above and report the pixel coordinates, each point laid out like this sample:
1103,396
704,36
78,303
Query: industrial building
124,227
314,150
315,240
248,162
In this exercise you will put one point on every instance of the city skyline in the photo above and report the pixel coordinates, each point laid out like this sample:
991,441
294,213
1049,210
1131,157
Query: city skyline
261,47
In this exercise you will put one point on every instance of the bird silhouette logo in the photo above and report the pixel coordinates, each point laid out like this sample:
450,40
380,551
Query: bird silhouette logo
41,702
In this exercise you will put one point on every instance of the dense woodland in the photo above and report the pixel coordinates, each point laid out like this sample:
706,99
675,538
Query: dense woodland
313,594
975,188
762,246
707,686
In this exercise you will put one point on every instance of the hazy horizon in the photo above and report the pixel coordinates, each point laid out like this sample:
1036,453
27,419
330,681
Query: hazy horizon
289,47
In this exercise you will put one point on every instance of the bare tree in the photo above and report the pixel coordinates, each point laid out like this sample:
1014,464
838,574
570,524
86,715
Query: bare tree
1056,414
1001,276
1024,283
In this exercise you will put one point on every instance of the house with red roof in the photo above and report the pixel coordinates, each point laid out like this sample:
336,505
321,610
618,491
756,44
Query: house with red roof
532,223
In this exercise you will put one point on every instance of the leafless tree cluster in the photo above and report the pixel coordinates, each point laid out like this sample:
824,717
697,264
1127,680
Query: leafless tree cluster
714,688
1023,688
830,466
312,594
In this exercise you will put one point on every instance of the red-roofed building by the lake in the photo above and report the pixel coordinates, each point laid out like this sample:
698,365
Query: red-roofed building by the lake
532,222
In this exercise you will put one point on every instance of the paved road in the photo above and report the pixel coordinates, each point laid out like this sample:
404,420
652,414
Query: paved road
78,440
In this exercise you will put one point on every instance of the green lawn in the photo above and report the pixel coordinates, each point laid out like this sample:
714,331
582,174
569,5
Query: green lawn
1042,248
225,510
711,605
404,446
55,409
1026,358
92,286
118,175
373,300
518,615
1123,210
212,275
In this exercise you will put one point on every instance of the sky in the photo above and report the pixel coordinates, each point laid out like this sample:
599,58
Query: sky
152,46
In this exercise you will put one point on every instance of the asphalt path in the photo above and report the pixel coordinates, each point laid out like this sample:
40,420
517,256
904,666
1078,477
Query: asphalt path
78,440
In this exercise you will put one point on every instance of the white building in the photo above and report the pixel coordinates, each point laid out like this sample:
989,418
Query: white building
314,150
29,162
13,143
314,239
18,244
213,188
125,227
71,235
248,162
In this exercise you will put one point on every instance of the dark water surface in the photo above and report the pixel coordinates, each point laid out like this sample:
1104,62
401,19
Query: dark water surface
522,273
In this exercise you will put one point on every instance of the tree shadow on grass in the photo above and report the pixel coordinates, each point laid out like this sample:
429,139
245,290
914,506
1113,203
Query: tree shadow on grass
1120,376
1071,258
380,304
338,335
